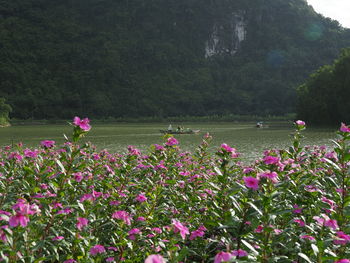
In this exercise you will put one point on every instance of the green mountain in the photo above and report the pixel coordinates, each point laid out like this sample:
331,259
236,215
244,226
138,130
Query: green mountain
119,58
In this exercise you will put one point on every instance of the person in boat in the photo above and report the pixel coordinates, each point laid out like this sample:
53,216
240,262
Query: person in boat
259,124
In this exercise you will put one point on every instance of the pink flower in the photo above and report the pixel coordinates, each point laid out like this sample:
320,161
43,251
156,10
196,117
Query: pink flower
271,159
157,230
23,209
47,143
332,223
300,222
328,201
57,238
15,155
19,219
159,147
70,261
198,233
300,123
78,176
82,222
247,170
311,188
343,261
311,238
239,253
110,259
259,229
154,259
344,128
134,231
171,141
321,219
123,215
331,155
277,231
271,175
30,153
66,210
342,238
251,182
3,235
133,151
178,227
297,209
82,124
222,257
225,148
3,212
141,198
181,184
115,203
97,249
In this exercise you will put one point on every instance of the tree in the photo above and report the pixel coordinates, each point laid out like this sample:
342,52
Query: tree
5,109
323,99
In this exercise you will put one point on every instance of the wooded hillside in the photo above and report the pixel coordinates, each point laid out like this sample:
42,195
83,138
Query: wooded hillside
128,58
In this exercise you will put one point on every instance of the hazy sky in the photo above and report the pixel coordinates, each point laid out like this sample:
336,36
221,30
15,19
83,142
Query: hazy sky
335,9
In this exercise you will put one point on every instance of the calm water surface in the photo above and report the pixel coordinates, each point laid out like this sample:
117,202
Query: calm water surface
247,139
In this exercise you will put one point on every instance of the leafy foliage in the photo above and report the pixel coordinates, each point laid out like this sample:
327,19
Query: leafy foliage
323,98
73,204
5,109
133,58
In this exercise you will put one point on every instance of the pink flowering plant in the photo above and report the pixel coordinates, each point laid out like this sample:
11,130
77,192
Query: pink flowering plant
71,203
81,127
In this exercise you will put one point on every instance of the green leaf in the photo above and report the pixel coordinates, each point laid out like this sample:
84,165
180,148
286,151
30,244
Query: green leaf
330,252
183,253
336,143
28,170
346,157
250,247
81,207
332,163
63,170
235,203
315,249
38,260
255,208
65,137
302,255
36,189
217,170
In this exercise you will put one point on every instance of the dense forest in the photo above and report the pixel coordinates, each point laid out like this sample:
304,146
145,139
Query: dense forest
324,98
128,58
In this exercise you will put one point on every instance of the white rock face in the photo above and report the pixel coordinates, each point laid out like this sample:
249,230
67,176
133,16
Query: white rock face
226,37
212,44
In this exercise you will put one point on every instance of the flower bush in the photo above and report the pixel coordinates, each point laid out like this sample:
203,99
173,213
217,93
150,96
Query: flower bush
71,203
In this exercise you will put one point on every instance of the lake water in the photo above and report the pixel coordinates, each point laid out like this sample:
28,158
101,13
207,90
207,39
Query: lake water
247,139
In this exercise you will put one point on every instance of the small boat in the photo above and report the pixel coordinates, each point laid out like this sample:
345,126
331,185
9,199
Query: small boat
261,124
187,131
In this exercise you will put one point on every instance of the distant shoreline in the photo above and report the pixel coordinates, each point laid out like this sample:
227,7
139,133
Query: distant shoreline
212,118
